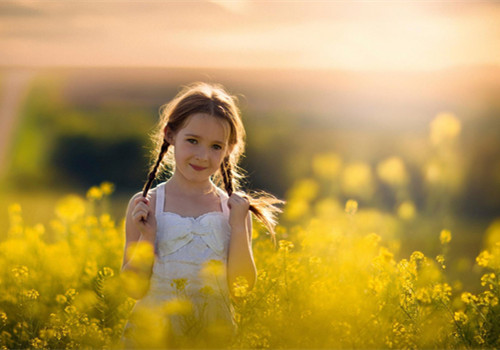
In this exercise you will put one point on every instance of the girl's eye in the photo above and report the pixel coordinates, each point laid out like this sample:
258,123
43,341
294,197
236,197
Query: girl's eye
217,147
193,141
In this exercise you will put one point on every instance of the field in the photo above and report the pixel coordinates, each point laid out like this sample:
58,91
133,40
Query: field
389,237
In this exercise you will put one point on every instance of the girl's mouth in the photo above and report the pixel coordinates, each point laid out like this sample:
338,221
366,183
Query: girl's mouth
197,168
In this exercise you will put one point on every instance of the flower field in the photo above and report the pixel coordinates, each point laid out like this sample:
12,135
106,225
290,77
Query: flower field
336,278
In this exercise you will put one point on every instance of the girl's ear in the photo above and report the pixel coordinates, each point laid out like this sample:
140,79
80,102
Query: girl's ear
169,135
230,149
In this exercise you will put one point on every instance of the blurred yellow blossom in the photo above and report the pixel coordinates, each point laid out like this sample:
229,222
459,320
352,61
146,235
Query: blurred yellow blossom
106,272
492,235
357,180
179,283
212,268
327,165
177,306
70,208
285,245
94,193
484,258
460,317
468,298
434,173
3,318
304,189
107,188
392,171
31,294
444,127
61,299
240,287
440,259
351,207
140,255
296,209
445,236
407,210
20,272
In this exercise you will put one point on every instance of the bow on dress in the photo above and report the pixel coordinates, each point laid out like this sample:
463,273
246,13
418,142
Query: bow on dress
212,228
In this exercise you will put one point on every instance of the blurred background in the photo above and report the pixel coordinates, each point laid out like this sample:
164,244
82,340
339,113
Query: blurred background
393,104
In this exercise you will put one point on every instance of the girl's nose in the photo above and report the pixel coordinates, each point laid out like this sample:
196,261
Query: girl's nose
202,153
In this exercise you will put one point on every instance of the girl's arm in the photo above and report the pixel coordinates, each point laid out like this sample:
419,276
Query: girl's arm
240,260
140,232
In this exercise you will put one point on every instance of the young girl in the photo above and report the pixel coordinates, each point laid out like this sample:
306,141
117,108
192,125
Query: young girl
201,234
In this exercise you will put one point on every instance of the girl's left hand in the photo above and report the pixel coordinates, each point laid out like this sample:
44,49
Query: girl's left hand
239,205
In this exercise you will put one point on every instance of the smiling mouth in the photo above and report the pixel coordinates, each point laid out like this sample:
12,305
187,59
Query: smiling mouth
197,168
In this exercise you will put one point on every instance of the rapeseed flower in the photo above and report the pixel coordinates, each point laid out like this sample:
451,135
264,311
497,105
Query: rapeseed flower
70,208
445,237
351,207
94,193
406,210
392,171
327,166
445,127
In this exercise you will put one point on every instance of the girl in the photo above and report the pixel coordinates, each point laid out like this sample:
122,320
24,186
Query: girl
201,234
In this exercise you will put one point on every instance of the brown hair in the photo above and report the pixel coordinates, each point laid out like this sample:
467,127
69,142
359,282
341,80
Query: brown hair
213,100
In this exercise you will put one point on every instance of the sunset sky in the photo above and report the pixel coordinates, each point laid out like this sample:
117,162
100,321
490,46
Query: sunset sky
355,35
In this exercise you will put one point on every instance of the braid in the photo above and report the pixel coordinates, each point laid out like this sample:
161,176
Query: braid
227,176
262,207
152,174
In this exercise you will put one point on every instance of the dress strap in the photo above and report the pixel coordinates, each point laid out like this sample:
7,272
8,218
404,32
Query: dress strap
160,198
223,201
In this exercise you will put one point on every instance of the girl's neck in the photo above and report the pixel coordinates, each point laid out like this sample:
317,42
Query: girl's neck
177,184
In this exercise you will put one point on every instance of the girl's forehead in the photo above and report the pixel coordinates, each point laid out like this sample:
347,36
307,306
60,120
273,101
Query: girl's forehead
207,126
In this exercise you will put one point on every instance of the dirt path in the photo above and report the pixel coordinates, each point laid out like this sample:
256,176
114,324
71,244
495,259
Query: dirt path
13,88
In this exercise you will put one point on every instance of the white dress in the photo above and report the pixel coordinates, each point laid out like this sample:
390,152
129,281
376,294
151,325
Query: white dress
190,265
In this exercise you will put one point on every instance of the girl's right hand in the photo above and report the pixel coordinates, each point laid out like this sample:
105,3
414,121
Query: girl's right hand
143,217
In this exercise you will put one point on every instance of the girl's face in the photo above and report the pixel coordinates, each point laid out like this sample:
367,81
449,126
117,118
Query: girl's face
199,146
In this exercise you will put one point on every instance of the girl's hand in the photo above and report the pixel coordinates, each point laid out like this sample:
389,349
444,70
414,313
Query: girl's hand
144,217
238,205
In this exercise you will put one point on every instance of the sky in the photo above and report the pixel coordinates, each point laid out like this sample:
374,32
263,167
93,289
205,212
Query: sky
351,35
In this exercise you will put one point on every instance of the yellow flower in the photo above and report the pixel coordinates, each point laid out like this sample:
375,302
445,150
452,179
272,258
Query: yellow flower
212,268
392,171
460,317
106,272
140,255
440,260
327,165
488,279
240,287
351,207
305,189
468,298
94,193
61,299
3,318
31,294
484,258
406,210
285,246
37,343
357,180
70,208
20,272
71,293
445,127
177,306
179,283
107,188
445,236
